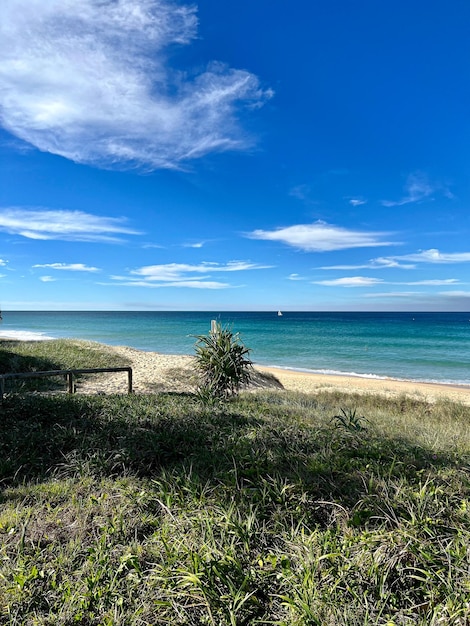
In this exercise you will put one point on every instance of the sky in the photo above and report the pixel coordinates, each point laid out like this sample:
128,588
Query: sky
236,155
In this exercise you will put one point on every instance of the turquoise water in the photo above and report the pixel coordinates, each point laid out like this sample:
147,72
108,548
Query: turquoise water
432,347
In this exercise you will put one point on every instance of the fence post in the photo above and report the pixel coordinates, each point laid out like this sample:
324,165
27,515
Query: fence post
70,381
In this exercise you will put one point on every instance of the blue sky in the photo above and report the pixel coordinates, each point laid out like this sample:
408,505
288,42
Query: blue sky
235,155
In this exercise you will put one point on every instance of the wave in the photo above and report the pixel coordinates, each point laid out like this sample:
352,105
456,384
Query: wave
24,335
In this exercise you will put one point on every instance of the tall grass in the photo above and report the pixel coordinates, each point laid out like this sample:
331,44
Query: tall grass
156,509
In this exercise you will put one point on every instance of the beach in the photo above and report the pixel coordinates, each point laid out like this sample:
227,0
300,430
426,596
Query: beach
154,372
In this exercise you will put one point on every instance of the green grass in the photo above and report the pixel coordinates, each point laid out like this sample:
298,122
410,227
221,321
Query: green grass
57,354
156,509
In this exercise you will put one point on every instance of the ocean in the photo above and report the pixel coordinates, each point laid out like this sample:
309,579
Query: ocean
431,347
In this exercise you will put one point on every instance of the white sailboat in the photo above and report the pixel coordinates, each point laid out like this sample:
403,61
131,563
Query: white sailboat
279,313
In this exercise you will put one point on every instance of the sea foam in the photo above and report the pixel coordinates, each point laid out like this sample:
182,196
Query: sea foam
23,335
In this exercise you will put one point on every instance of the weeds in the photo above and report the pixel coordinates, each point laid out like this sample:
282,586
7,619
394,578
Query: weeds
350,421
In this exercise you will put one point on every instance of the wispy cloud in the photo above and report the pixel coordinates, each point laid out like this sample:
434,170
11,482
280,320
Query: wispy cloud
3,262
396,262
47,279
357,201
432,282
65,225
184,275
91,81
295,277
350,281
321,237
172,271
198,244
417,188
189,284
435,256
373,264
455,294
69,267
365,281
393,294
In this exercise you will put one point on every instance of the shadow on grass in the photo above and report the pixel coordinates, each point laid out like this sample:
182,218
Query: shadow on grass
241,446
13,363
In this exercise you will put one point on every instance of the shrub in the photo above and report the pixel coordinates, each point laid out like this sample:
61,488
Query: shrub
223,363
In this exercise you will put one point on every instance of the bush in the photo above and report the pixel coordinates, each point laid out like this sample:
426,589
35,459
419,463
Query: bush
222,362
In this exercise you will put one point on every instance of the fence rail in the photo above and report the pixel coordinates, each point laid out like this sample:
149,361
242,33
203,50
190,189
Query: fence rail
68,374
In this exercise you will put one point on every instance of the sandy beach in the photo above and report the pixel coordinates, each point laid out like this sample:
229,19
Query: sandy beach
153,372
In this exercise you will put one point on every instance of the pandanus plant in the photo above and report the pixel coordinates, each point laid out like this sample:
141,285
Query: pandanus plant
223,363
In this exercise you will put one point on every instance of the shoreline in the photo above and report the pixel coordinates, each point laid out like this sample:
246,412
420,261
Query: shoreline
373,377
311,382
155,371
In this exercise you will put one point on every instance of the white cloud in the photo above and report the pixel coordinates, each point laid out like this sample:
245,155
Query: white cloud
295,277
321,237
184,275
199,244
190,284
65,225
91,81
456,294
3,262
350,281
373,264
363,281
435,256
357,201
152,245
434,282
425,256
417,188
393,294
174,271
70,267
47,279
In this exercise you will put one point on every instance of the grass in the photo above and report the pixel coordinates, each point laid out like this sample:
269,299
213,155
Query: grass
156,509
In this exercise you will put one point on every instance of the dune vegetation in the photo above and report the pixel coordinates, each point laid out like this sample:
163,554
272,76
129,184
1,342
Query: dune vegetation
272,507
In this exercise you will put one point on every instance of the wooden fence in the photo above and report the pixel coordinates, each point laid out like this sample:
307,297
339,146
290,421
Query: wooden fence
68,375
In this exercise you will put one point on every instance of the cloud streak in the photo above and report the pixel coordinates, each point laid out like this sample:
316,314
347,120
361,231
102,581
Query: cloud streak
48,224
432,256
435,256
373,264
321,237
350,281
365,281
185,275
69,267
91,81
